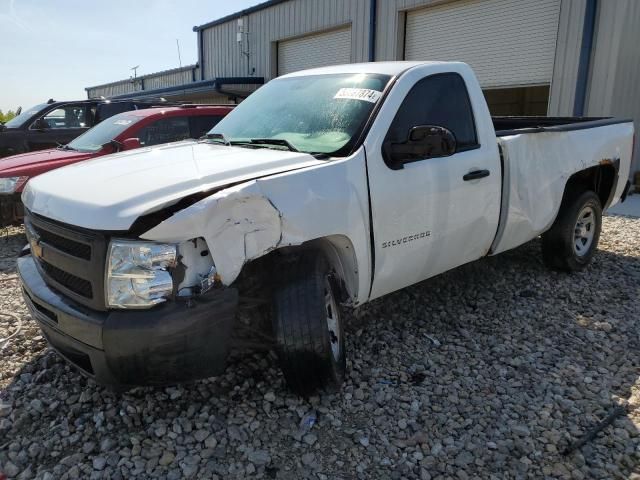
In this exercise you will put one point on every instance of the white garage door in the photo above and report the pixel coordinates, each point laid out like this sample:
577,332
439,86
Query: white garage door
318,50
507,42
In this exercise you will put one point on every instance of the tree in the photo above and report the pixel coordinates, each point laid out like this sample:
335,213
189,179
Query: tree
5,117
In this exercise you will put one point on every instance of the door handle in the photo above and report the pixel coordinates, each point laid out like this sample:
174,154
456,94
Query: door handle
476,174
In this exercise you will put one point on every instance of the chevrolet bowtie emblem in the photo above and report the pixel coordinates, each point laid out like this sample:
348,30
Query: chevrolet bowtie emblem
34,243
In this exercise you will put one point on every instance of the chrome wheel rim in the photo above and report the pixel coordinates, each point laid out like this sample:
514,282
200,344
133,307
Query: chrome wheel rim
584,231
333,319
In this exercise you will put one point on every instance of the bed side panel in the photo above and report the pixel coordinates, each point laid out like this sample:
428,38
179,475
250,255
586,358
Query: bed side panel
539,165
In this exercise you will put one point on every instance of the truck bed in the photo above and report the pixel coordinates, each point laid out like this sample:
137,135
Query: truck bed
539,155
506,126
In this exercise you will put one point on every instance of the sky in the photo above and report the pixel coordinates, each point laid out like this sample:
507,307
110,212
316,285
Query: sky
54,49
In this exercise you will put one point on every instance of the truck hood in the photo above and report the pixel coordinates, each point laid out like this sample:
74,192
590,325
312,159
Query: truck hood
22,164
111,192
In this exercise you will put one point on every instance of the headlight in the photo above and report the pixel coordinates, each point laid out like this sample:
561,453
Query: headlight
11,184
137,274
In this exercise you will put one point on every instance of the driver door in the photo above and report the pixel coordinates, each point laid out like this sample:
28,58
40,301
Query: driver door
428,214
59,126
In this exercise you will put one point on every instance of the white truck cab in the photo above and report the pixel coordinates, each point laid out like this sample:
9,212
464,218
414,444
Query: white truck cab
326,188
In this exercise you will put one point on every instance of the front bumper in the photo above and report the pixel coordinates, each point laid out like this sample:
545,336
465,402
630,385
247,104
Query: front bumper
172,343
11,209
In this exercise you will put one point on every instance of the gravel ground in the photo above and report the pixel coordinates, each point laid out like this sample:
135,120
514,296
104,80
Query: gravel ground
490,371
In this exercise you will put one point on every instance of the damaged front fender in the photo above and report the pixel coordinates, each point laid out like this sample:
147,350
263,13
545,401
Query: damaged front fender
326,204
239,224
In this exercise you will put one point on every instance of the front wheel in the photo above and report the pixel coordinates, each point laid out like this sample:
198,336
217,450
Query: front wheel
571,242
308,327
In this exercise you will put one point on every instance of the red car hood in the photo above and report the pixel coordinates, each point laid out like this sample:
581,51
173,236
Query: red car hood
35,163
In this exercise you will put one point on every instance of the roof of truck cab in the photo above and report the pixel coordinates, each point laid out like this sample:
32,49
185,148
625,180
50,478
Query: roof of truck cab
384,68
187,110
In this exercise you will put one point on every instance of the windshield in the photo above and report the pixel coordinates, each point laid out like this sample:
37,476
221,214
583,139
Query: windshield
16,122
313,114
95,138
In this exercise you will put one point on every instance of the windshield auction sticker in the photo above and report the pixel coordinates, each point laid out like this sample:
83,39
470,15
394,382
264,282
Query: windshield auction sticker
365,94
122,122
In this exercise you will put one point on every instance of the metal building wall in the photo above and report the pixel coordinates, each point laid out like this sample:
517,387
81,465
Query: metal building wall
222,55
170,79
614,73
111,89
614,86
167,78
565,68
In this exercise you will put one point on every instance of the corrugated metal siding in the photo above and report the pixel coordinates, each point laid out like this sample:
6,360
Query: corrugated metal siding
310,51
507,42
168,78
614,74
615,66
565,69
116,88
222,54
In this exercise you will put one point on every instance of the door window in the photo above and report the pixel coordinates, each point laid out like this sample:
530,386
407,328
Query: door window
201,124
165,130
440,100
106,110
70,116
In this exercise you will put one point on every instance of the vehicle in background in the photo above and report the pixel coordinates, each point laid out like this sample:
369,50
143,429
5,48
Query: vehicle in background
124,131
57,123
324,188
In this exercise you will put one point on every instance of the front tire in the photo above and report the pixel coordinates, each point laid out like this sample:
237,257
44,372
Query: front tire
571,242
308,327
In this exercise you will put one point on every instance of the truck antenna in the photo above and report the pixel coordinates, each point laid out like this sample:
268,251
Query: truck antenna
184,90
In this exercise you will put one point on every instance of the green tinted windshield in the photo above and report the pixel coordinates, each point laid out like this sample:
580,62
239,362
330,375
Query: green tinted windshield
315,114
17,122
95,138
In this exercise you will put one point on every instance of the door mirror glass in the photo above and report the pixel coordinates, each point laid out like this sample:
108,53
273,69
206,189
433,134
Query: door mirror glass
423,141
131,144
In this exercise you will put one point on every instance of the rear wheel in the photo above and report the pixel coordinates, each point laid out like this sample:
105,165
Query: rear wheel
571,242
308,325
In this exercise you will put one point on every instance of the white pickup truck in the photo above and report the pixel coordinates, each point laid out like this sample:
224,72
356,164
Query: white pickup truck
326,188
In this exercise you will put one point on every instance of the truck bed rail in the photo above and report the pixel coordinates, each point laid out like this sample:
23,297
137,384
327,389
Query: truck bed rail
506,126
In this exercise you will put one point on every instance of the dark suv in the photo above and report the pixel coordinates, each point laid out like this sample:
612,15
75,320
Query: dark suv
57,123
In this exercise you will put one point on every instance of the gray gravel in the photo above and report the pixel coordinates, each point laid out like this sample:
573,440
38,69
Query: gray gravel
489,371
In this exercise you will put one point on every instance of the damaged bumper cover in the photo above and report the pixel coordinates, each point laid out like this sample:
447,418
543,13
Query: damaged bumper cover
175,342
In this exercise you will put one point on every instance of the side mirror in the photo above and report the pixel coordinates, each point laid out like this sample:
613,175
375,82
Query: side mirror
41,124
131,144
423,141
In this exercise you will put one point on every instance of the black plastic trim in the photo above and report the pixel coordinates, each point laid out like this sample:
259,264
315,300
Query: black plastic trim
91,271
625,192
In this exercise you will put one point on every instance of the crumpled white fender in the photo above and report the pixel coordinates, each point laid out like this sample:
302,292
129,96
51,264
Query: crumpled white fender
239,224
325,203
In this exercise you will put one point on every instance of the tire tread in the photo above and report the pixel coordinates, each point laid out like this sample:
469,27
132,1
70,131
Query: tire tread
557,242
299,320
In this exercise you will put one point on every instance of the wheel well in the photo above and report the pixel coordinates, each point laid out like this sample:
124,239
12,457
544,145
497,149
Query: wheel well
337,248
600,179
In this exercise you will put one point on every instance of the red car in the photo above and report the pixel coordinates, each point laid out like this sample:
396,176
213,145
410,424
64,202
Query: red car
125,131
